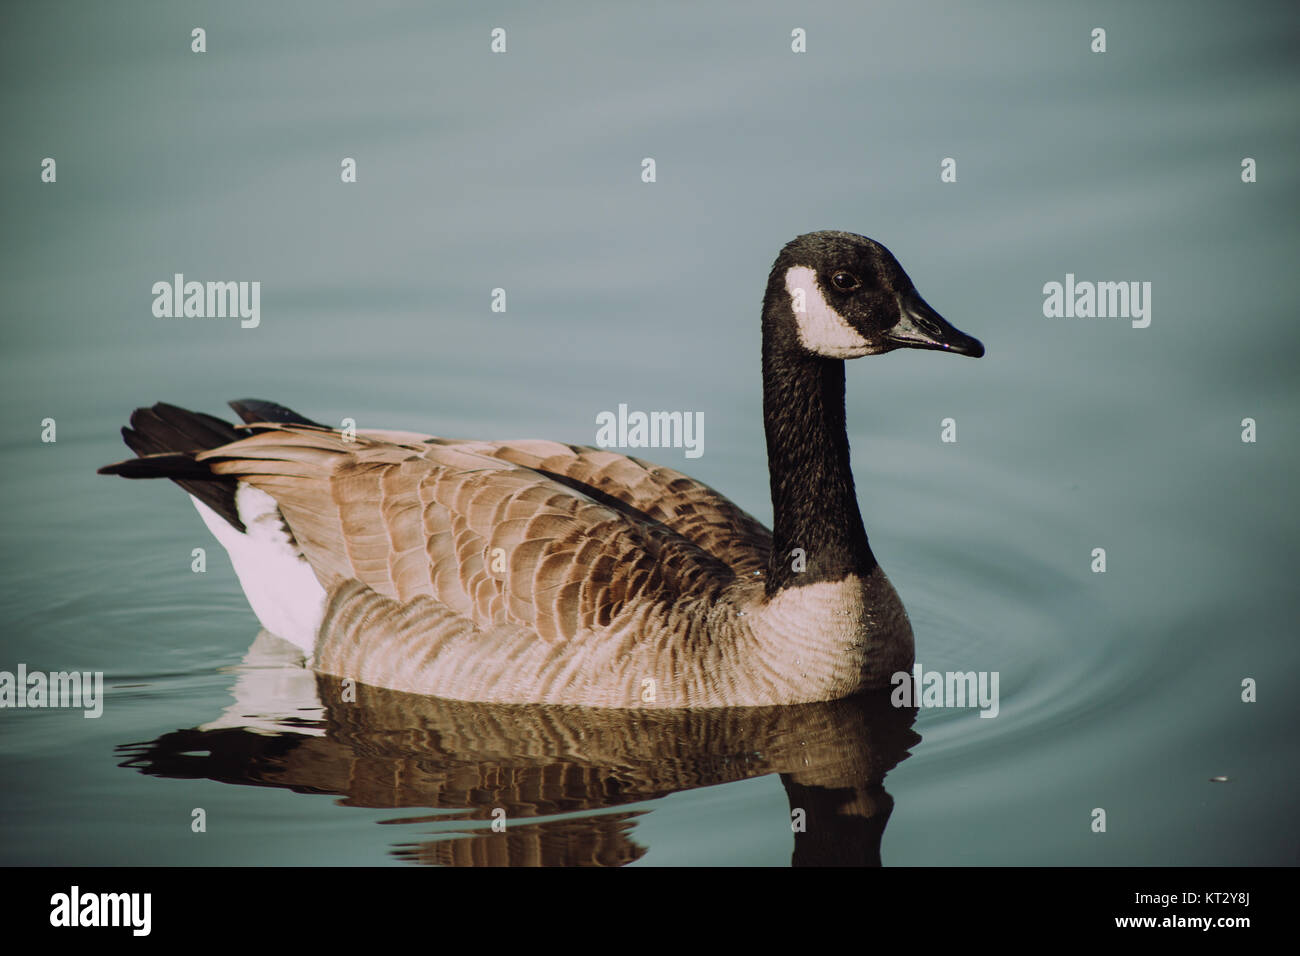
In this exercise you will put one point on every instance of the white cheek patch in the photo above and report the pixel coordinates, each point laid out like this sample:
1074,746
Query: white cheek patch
821,328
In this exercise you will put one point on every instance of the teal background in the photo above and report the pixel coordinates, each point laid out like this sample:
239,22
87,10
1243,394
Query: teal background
1119,690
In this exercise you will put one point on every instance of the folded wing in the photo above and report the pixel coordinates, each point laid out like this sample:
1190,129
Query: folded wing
554,537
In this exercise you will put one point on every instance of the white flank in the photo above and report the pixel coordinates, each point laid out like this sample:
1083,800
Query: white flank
821,328
279,583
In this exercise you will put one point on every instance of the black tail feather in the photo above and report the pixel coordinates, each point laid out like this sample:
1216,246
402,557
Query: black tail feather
254,410
167,428
176,465
166,438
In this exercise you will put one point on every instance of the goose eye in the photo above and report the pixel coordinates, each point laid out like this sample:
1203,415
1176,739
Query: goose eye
844,281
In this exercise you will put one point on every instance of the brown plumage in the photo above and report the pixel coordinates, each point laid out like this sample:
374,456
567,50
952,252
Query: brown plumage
533,571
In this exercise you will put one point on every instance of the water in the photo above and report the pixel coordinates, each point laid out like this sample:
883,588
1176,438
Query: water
1119,691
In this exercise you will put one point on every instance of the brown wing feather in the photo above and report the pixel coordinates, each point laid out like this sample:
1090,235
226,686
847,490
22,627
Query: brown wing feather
411,518
649,492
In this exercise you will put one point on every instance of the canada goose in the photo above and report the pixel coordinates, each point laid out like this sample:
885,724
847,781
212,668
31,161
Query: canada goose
538,572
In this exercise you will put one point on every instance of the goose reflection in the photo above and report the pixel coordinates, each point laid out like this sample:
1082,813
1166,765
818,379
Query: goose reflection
567,783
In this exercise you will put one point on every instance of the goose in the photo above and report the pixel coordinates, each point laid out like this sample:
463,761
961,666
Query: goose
535,572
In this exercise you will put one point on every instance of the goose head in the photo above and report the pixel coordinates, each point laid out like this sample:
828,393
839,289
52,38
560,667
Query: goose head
839,296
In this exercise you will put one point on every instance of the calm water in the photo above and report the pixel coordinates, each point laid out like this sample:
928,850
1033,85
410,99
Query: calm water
1119,691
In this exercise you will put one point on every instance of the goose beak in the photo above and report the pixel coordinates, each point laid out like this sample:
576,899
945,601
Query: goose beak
920,327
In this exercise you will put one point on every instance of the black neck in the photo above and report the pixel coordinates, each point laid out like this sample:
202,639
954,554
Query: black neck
815,506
